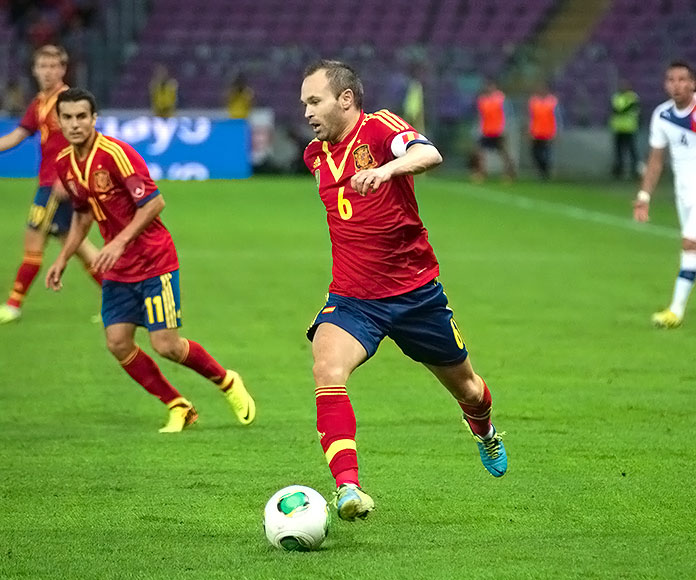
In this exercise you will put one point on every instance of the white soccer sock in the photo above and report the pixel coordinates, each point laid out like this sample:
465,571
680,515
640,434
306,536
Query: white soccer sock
682,289
683,285
490,434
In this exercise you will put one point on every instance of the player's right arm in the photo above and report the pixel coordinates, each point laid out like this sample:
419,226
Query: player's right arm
13,138
79,228
653,170
417,159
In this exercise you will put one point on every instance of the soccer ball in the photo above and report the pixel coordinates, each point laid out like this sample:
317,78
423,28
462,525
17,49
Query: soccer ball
296,519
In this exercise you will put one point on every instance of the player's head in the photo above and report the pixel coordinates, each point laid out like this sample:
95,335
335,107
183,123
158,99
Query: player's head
680,82
50,65
332,94
77,115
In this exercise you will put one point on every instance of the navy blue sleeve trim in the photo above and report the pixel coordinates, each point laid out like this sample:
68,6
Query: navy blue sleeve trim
423,141
143,201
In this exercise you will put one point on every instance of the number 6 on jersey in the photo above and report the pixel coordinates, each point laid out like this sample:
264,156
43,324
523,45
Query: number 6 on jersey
345,209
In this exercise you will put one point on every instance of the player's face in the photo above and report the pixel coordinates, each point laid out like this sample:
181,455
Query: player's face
77,122
323,110
679,85
48,72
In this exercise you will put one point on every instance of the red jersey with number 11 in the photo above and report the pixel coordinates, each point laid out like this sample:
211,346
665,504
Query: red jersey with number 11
113,182
379,245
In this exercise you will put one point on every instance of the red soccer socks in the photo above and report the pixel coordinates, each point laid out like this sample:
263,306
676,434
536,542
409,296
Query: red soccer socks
198,359
479,416
25,276
336,427
147,374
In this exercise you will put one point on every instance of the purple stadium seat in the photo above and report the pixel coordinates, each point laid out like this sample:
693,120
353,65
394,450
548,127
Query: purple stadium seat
272,40
635,40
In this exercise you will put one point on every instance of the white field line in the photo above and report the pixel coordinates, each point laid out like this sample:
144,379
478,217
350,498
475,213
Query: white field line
578,213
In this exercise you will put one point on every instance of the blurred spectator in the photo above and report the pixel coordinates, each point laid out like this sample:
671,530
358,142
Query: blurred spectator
164,92
14,98
19,11
414,101
491,108
624,123
239,98
42,28
76,42
543,126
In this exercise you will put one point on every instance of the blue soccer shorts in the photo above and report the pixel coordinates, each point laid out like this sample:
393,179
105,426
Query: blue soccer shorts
419,322
49,214
154,303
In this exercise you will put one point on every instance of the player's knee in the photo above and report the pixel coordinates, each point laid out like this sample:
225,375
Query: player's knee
168,347
120,347
471,390
328,373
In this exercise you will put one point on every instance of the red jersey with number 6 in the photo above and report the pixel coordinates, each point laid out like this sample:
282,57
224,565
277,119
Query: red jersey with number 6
379,245
113,182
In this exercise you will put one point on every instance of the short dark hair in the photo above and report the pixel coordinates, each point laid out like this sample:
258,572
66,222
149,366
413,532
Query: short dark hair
682,64
77,94
341,77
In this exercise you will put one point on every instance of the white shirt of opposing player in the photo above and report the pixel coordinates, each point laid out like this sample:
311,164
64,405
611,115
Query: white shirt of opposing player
676,129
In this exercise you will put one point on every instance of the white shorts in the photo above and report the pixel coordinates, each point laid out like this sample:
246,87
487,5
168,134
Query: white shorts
686,209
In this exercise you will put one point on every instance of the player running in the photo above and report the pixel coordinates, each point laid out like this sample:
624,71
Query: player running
384,272
109,182
51,211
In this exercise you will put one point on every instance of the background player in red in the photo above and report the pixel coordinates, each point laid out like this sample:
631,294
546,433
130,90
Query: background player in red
108,181
51,210
384,272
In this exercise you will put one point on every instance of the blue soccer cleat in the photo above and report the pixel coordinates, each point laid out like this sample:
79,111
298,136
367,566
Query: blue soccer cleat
352,502
492,452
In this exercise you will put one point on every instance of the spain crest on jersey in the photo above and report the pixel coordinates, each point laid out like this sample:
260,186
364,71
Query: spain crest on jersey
102,181
363,157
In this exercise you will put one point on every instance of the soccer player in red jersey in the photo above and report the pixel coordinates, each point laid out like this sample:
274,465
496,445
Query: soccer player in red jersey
109,182
384,272
51,211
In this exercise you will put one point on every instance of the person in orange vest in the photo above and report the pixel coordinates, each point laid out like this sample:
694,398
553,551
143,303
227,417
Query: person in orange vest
491,109
543,126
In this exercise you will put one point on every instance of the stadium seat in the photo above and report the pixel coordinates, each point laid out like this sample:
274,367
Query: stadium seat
256,32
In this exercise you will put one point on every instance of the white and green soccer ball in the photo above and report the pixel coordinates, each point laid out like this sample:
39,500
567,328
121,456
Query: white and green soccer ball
296,519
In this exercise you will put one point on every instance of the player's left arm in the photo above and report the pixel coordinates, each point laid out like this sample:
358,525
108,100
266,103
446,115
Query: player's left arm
79,228
143,217
419,157
59,191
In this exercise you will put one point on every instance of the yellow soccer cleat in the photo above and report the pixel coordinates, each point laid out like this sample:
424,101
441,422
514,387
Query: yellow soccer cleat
666,319
9,313
181,415
239,399
352,502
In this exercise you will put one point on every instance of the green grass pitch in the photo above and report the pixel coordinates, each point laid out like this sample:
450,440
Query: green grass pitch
552,286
